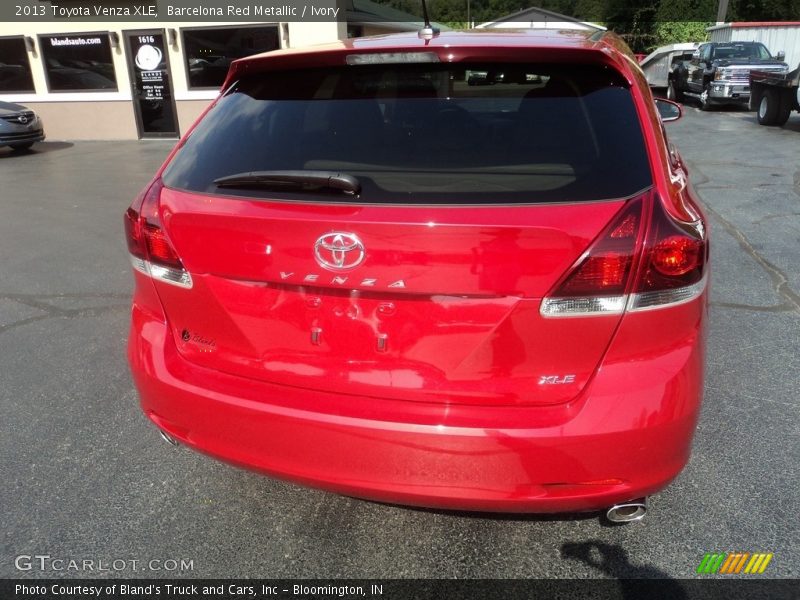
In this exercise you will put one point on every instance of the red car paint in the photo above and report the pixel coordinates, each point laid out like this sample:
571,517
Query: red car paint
431,373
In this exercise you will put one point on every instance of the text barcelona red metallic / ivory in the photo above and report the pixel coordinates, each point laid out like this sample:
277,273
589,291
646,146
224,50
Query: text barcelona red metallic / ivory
464,273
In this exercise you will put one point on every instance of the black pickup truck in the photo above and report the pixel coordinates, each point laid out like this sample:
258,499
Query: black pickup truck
719,72
774,95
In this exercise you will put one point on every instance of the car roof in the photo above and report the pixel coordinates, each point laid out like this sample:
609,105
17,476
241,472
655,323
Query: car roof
523,38
450,46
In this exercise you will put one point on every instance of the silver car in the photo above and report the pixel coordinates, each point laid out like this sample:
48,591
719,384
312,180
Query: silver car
20,127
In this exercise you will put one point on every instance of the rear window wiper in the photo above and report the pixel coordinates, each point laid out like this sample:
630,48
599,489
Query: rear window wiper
304,180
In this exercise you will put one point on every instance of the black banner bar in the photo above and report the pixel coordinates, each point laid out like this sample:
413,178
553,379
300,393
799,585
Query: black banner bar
729,588
607,12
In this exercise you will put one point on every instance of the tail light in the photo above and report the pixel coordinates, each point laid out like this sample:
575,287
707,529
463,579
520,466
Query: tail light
644,259
673,262
150,248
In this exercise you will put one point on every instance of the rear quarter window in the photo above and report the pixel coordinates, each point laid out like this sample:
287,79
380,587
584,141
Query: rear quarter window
461,134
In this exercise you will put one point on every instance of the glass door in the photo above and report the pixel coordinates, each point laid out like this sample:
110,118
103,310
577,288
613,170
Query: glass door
151,84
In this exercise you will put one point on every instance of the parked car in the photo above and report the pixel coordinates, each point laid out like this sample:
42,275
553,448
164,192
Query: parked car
469,297
20,127
718,73
774,95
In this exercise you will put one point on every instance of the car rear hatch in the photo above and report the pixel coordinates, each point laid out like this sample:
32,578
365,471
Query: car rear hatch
391,230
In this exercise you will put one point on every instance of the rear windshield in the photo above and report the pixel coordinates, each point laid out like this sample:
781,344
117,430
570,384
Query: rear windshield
428,133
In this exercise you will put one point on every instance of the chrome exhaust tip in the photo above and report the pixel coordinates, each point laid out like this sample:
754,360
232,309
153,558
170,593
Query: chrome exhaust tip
168,438
627,512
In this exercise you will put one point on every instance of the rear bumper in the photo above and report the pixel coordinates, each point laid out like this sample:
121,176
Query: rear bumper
628,435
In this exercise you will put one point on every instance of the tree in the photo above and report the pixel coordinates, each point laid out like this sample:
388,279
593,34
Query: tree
763,10
644,24
675,32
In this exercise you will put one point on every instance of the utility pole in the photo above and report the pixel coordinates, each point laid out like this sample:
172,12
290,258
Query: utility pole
722,11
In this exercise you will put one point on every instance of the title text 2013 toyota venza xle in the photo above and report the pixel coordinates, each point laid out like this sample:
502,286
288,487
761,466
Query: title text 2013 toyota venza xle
362,271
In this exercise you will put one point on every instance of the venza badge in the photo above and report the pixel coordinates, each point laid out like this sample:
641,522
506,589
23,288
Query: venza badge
339,251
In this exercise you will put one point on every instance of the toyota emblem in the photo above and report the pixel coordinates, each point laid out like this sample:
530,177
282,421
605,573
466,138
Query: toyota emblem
339,251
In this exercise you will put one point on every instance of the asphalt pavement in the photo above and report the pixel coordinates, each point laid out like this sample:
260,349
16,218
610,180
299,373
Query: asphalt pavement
86,477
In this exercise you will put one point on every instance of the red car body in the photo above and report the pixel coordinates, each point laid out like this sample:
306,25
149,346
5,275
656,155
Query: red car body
525,357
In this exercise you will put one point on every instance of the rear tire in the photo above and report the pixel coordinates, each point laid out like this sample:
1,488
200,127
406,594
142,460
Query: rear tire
674,93
768,108
784,108
26,146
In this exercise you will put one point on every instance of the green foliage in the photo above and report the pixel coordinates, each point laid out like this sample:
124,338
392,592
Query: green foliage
591,10
617,11
689,11
763,10
643,24
673,32
455,11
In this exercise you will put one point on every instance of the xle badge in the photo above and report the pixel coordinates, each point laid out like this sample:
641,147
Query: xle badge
556,379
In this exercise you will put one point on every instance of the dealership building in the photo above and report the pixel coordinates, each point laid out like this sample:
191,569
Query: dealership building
134,80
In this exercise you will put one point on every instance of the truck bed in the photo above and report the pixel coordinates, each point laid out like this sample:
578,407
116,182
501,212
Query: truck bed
784,80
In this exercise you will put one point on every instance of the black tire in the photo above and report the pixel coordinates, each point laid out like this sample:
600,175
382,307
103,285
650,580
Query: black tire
21,147
705,102
784,108
673,93
768,108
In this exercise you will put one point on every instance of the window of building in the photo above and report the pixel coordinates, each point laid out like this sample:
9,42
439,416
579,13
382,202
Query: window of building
15,68
210,51
78,62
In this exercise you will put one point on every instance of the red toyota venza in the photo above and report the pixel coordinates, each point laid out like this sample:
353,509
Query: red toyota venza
463,270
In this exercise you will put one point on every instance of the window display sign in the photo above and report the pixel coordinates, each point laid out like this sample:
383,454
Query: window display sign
151,84
78,62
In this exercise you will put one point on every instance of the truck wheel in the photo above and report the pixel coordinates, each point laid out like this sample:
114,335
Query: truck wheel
768,108
705,101
674,93
784,108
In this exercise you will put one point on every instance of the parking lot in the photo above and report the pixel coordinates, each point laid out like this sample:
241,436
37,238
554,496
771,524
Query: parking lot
85,476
